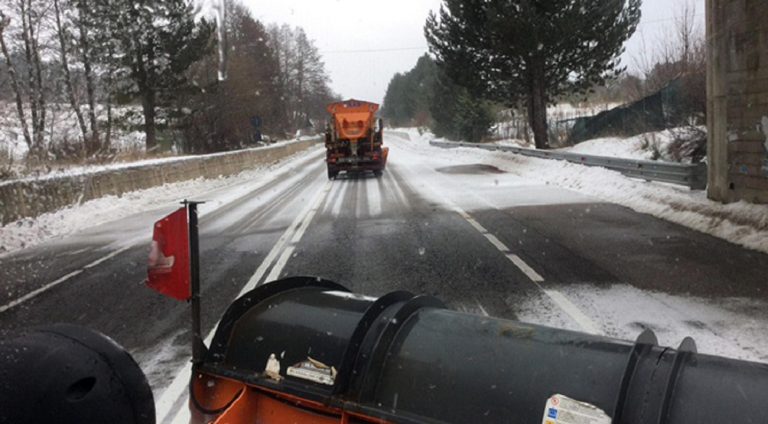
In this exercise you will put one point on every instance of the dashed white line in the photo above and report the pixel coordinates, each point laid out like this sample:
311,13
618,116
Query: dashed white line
557,298
527,270
581,319
475,224
497,243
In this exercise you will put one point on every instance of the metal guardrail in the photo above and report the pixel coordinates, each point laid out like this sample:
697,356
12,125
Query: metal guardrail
692,176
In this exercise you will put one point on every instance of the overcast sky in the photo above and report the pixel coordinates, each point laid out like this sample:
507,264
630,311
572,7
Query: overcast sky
365,42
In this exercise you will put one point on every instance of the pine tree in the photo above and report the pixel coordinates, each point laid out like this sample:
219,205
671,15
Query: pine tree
535,50
457,113
156,42
426,96
406,101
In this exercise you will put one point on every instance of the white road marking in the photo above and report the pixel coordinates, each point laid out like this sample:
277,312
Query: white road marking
527,270
497,243
558,298
170,397
298,223
475,224
34,293
55,283
77,252
482,309
584,322
106,258
280,264
374,197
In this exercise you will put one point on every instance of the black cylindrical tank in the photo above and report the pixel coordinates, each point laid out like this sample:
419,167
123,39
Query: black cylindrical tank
406,358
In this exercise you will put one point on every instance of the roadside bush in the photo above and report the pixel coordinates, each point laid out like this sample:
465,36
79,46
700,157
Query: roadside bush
689,144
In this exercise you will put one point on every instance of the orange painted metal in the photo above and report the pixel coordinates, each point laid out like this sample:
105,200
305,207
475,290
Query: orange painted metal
353,119
223,401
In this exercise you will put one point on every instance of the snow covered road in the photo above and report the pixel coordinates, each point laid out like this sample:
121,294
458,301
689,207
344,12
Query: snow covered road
484,235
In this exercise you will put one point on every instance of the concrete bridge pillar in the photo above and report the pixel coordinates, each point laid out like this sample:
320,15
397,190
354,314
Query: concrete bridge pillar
737,93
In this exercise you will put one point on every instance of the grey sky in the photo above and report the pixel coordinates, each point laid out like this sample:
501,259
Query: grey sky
364,42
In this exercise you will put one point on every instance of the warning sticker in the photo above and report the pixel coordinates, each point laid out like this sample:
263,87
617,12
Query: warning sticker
564,410
313,370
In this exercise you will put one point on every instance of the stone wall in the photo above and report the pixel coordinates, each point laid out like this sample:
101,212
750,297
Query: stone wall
30,198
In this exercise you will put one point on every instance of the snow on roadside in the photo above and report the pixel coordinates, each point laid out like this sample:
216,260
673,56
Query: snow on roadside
28,232
741,223
648,146
628,148
732,327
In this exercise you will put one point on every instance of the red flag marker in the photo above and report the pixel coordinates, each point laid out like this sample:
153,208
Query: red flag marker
169,263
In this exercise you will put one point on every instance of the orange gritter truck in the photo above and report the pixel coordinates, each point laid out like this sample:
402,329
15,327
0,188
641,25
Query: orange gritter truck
354,139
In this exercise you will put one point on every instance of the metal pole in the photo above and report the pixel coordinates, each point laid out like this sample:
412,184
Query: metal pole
198,346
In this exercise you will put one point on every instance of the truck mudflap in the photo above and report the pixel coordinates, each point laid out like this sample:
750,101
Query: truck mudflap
307,350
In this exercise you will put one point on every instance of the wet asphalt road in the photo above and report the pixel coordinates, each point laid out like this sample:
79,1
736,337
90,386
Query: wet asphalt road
452,231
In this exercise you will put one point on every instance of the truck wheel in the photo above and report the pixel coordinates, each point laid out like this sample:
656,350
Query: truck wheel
378,173
332,173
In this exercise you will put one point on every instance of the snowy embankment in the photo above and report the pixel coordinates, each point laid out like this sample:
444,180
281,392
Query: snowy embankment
741,223
29,232
671,145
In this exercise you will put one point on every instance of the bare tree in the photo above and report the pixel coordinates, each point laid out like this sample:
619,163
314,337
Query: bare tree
31,14
679,52
83,23
63,55
5,21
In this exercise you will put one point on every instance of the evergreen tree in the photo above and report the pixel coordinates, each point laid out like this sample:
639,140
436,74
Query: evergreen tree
458,114
225,115
406,101
157,41
398,108
536,50
426,96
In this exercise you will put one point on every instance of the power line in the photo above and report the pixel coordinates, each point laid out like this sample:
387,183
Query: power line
394,49
673,18
425,48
